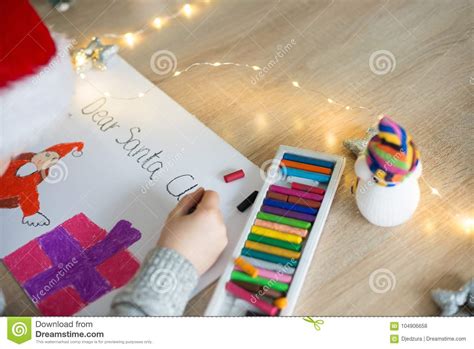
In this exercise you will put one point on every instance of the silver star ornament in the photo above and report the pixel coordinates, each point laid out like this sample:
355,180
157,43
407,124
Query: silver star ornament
94,55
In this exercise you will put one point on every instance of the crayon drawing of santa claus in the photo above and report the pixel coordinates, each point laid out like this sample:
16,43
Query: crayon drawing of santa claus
19,183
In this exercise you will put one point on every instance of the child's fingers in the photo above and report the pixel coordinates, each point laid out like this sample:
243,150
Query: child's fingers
188,202
210,200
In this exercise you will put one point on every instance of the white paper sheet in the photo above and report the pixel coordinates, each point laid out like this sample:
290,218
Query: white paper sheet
108,184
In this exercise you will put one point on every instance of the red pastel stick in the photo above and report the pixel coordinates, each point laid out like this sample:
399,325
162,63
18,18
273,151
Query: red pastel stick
299,193
234,176
241,293
307,188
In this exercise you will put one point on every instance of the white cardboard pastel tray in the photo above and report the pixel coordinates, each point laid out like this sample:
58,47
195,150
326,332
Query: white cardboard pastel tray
224,304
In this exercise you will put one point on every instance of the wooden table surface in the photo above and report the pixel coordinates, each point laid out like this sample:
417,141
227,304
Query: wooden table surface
327,47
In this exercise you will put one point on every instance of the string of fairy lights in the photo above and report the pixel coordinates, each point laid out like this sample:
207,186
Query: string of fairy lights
187,11
130,39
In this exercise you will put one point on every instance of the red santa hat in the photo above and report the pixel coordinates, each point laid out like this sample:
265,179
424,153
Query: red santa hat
65,148
26,45
36,77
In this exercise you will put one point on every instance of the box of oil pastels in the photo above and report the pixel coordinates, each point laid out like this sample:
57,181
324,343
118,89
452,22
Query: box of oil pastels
269,265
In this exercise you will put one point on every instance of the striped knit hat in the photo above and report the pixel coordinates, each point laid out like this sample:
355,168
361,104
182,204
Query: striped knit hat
391,154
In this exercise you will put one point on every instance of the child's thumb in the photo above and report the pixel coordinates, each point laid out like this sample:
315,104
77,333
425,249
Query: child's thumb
188,202
210,200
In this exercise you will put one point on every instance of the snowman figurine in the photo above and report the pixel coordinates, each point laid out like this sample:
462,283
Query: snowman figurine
387,192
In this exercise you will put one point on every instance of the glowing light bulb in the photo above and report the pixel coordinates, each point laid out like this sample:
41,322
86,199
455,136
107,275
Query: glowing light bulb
261,121
80,59
157,23
330,140
429,226
468,224
129,39
296,84
298,125
187,10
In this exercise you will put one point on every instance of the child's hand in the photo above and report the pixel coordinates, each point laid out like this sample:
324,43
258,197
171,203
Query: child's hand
199,236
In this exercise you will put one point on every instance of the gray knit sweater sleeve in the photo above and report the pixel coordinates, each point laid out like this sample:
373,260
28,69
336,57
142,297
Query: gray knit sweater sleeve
162,287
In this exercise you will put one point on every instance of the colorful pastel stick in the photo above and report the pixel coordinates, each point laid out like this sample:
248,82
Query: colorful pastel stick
291,179
269,257
280,303
282,228
246,266
273,284
274,234
253,313
321,178
250,313
306,167
277,251
307,188
286,213
270,274
293,192
290,206
308,160
271,266
284,220
249,200
274,242
257,289
234,176
304,202
239,292
277,196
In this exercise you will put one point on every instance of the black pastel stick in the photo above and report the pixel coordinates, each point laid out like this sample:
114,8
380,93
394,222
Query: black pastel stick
252,313
248,201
